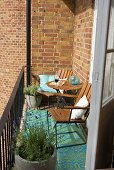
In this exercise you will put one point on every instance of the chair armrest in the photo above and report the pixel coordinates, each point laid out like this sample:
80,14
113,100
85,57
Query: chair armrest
75,107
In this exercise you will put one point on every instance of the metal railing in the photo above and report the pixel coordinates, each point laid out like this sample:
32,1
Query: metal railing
10,121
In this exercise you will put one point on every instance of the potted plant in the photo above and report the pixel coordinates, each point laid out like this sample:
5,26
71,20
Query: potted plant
35,150
32,97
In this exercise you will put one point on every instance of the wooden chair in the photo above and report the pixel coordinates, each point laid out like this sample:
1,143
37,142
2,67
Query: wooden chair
63,115
62,73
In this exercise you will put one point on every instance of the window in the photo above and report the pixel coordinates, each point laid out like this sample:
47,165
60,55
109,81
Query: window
108,90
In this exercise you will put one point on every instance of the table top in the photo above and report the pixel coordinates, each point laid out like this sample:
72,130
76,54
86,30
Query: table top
65,85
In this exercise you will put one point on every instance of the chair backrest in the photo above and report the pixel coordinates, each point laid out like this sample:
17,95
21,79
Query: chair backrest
64,73
85,90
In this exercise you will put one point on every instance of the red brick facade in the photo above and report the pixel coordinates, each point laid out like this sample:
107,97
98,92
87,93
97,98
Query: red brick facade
82,38
61,37
52,35
12,45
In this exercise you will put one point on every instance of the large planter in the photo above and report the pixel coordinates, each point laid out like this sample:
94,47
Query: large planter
22,164
33,101
38,99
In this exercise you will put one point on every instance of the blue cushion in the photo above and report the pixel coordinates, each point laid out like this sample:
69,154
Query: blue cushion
44,87
51,78
43,79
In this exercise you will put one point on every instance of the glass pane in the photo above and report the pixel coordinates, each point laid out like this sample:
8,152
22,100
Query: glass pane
109,77
111,27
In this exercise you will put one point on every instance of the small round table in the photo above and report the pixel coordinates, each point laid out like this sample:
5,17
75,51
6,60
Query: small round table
69,91
66,86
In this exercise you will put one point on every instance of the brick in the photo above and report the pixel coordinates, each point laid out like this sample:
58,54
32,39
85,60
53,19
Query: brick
51,35
47,54
13,46
48,46
49,5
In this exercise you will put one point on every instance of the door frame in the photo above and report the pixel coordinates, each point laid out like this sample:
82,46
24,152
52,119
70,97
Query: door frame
102,7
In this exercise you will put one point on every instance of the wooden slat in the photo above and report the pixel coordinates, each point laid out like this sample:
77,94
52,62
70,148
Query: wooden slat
64,73
82,91
69,73
59,73
89,95
87,90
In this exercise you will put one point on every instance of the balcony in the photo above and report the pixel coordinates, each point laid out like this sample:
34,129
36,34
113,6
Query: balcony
49,47
11,120
59,35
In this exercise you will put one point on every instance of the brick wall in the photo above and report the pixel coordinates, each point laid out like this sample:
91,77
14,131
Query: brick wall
52,35
58,35
82,38
12,45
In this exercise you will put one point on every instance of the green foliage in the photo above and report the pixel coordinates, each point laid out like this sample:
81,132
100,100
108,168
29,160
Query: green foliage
34,144
31,90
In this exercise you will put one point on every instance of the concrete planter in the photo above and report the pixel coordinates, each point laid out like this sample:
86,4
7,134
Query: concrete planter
22,164
33,101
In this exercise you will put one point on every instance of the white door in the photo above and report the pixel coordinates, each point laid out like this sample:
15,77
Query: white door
100,128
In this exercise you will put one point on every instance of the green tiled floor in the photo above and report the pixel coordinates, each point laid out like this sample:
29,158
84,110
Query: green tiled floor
68,158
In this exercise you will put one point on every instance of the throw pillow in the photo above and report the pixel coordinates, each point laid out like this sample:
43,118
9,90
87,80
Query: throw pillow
43,79
78,113
45,88
51,78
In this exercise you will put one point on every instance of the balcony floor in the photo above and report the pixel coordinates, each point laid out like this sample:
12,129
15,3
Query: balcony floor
68,158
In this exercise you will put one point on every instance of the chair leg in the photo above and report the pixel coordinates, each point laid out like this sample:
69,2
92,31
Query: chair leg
48,103
56,133
48,121
84,134
76,125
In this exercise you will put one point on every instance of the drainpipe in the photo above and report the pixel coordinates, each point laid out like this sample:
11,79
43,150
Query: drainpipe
28,40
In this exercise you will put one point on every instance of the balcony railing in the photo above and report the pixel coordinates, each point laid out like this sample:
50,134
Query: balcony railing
9,122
